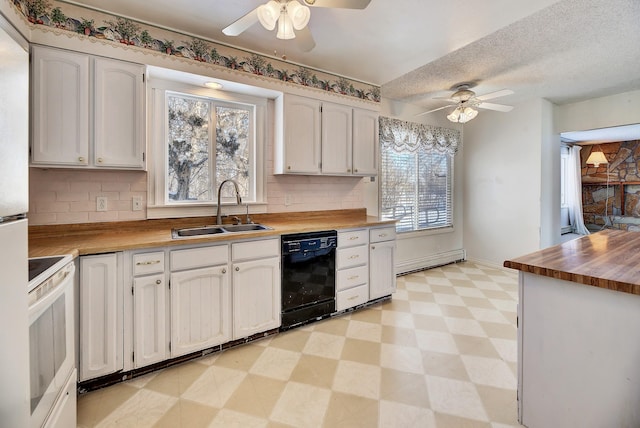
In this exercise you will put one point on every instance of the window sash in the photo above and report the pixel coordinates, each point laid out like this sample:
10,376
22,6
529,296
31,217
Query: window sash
416,189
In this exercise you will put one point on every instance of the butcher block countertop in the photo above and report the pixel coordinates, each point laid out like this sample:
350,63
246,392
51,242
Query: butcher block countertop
606,259
95,238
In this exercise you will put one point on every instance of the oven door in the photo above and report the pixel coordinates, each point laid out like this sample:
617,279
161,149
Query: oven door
51,344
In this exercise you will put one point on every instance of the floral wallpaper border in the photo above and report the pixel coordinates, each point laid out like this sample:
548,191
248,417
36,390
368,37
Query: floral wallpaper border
130,33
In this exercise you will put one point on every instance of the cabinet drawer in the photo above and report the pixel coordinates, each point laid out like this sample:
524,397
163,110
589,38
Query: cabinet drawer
353,256
352,297
352,237
347,278
144,264
382,234
255,249
199,257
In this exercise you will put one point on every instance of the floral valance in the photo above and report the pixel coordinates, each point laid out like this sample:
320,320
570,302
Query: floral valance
400,135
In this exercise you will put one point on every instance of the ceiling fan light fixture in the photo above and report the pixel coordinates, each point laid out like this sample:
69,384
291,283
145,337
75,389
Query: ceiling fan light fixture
285,27
268,14
299,14
462,114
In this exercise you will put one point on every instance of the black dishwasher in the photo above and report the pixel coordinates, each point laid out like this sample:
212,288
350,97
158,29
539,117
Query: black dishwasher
308,277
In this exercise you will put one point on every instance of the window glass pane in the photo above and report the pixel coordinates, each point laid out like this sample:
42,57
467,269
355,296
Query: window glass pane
189,170
233,149
416,189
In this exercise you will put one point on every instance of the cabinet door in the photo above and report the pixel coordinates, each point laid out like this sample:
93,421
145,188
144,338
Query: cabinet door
200,309
119,114
301,135
365,142
149,320
60,107
382,277
256,296
99,317
336,139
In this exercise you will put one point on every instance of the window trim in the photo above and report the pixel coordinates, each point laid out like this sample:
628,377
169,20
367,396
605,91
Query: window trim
157,160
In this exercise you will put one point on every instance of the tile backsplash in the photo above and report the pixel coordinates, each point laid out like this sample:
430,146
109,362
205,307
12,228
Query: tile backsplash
62,196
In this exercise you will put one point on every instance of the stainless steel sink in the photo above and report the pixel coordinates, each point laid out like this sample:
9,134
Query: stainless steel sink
244,227
214,230
196,231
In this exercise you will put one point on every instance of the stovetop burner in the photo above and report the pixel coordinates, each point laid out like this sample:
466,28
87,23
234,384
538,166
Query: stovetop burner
40,264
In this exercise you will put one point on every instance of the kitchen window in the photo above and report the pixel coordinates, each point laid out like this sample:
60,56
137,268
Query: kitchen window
416,178
202,137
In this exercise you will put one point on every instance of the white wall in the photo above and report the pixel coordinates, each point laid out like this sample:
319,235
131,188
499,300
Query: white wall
423,249
502,183
603,112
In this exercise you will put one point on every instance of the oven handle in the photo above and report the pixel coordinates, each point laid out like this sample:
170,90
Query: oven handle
39,306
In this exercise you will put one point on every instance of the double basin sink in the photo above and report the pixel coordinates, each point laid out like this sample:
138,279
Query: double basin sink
217,229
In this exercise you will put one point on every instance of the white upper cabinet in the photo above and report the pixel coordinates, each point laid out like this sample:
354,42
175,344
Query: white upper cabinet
87,111
336,138
301,135
326,138
119,114
365,142
60,107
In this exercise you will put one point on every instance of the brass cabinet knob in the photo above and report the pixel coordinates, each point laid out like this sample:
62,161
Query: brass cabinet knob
158,281
224,270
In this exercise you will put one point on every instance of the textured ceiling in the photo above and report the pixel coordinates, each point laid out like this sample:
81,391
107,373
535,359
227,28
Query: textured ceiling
564,51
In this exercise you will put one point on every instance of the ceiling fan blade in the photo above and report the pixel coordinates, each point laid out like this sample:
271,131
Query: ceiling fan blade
341,4
241,24
431,111
304,40
496,94
449,99
496,107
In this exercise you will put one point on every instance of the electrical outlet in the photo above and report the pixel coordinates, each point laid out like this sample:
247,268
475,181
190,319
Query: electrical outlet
101,203
287,199
137,203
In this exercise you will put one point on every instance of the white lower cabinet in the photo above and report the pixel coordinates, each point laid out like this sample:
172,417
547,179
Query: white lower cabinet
256,287
149,320
101,316
382,277
256,296
200,315
352,269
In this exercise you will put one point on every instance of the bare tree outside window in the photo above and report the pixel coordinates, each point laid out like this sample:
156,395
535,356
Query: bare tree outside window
188,149
194,172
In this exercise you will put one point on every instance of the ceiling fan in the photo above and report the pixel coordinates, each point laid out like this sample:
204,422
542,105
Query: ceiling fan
466,102
291,18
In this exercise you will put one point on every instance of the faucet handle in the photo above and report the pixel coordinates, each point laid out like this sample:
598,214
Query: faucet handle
236,220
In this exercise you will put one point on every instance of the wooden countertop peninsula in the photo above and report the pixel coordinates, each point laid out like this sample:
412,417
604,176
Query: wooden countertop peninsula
607,259
95,238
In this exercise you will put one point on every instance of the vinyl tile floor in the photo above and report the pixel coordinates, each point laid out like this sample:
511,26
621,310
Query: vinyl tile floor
441,353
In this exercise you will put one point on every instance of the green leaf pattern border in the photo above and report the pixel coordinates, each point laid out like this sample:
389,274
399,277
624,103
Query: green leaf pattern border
130,33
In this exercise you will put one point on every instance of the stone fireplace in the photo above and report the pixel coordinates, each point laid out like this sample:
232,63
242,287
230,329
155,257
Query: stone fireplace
611,193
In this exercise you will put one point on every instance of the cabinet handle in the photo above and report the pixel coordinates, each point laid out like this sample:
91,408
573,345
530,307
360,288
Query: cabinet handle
150,262
99,160
373,247
237,269
355,170
289,167
158,281
382,235
80,159
348,169
353,238
353,297
351,278
355,256
224,270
